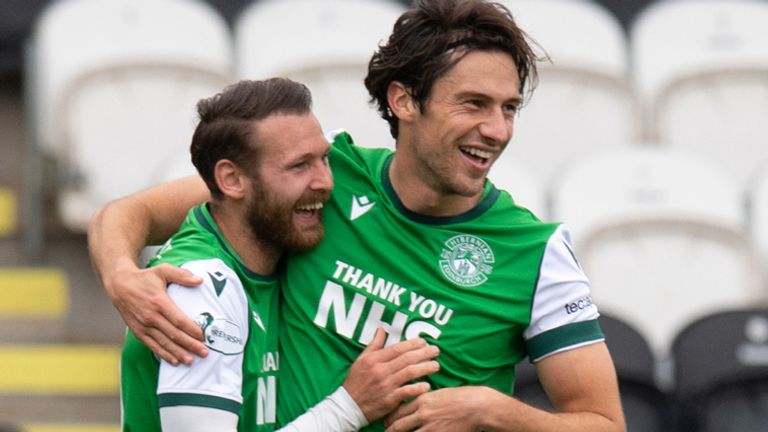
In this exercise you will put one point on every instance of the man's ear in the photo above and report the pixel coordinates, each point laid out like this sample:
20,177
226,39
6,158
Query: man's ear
230,179
400,101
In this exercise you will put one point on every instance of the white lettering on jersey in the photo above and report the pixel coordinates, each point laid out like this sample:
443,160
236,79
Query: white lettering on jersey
333,299
270,361
266,400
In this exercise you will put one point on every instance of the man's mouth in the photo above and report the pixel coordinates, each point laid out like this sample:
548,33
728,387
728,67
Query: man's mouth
480,157
309,211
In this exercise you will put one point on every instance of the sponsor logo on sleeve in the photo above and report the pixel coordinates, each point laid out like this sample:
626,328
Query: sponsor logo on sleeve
221,335
578,305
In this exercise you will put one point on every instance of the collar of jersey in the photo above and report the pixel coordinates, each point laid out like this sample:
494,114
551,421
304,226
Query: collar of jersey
490,194
204,218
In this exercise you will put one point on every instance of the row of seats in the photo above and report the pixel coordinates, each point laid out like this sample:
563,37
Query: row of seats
663,235
720,375
703,89
113,87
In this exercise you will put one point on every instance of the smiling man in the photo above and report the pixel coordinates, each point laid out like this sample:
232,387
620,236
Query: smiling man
263,157
419,242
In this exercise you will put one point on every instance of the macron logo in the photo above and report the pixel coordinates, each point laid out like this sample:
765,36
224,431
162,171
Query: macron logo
258,320
360,206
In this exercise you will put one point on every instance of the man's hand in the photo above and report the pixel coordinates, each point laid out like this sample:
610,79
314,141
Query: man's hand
380,379
141,298
445,410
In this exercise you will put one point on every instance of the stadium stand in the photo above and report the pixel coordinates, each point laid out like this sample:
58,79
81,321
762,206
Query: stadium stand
721,370
107,83
651,267
661,236
585,85
646,406
326,45
705,89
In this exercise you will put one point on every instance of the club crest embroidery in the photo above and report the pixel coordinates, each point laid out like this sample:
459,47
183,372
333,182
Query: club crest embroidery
467,260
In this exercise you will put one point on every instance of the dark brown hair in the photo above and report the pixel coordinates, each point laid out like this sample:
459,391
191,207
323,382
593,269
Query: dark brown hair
424,40
229,119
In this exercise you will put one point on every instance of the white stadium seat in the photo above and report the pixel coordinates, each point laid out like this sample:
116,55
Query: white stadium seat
584,102
701,68
326,45
757,221
661,236
113,89
526,189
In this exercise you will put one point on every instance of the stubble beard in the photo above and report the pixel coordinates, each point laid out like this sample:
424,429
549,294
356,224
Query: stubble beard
271,222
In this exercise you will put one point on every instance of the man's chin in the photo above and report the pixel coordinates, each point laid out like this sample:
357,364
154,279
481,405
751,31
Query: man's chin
306,239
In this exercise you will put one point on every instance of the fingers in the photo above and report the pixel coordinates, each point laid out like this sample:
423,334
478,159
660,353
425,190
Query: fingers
378,341
411,391
403,418
396,350
176,333
166,349
414,370
178,275
155,319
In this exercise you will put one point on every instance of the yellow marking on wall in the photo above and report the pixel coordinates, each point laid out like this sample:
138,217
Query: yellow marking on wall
59,369
8,219
27,292
44,427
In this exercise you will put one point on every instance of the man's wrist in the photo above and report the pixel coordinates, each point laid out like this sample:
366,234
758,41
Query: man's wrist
343,399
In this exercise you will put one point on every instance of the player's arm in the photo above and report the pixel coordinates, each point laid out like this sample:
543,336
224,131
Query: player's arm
377,382
197,419
581,384
116,235
571,358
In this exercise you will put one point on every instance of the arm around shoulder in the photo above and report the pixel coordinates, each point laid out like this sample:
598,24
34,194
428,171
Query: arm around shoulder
116,234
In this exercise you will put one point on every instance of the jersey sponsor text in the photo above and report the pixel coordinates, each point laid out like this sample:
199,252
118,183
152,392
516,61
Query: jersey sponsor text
347,321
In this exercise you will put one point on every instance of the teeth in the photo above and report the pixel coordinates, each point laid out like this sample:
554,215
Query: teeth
310,207
477,152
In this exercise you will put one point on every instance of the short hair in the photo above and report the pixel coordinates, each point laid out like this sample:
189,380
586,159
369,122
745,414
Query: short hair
420,49
228,120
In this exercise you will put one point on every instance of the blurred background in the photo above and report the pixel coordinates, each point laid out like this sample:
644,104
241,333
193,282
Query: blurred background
647,135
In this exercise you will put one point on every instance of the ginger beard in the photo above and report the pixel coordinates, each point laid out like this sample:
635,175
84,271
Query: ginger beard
284,223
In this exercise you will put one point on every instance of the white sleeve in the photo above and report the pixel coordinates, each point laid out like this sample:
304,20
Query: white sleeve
562,315
336,413
197,419
220,307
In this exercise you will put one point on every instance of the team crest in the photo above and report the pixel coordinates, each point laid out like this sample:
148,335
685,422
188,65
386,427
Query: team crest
467,260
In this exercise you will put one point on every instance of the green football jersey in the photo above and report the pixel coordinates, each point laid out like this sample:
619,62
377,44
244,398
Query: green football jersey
489,287
238,312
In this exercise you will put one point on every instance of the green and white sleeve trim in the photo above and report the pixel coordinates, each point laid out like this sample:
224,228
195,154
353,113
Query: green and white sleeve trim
562,313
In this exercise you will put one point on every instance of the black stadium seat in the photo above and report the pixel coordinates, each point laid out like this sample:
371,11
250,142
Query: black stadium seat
721,372
646,407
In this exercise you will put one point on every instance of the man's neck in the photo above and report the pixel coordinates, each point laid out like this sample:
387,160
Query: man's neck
413,188
256,255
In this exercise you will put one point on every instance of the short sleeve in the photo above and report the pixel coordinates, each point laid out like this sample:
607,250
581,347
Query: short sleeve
563,315
220,308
